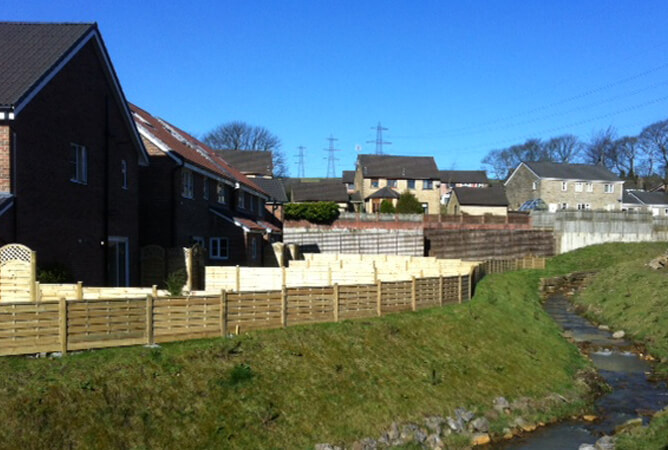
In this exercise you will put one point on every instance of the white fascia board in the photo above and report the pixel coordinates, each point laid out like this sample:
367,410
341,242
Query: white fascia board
252,191
582,180
204,172
93,34
232,221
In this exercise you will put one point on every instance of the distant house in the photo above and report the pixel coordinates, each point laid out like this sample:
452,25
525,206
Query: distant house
70,154
251,163
276,198
416,174
478,201
565,186
654,202
190,195
461,178
320,190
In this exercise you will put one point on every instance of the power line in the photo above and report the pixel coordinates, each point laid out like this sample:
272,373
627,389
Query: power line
379,139
331,159
300,161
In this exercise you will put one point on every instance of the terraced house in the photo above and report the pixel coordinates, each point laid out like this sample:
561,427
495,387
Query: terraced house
565,186
69,153
379,177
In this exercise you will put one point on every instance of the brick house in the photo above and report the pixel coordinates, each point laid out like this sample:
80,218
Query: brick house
565,186
190,195
417,174
69,153
461,178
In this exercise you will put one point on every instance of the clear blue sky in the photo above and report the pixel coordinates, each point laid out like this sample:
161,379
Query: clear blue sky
450,79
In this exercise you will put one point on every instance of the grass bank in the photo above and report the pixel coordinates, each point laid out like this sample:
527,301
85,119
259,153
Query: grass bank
292,388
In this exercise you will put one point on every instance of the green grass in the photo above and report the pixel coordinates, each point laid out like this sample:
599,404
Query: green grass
597,257
654,437
295,387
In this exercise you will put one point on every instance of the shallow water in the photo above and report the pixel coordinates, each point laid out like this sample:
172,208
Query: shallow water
632,393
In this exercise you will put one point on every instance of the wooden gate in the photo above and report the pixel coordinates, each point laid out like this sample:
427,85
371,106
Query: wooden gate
18,267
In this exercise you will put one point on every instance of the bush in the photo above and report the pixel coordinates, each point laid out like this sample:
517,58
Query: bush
386,207
409,204
54,273
317,212
175,282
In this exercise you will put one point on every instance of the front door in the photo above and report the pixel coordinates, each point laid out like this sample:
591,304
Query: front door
118,261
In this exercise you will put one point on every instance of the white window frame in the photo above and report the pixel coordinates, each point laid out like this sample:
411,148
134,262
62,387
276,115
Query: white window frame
534,185
563,205
392,183
124,174
220,193
205,188
427,185
216,246
609,188
186,183
590,187
578,186
80,163
199,240
564,186
584,206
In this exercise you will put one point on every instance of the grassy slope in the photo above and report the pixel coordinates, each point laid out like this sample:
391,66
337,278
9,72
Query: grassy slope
295,387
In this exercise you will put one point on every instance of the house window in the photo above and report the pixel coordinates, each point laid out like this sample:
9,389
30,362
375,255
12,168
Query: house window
219,248
578,186
584,206
564,206
252,204
79,164
374,182
608,188
392,183
590,187
411,184
124,174
186,183
199,240
534,185
242,202
253,248
260,207
564,186
205,188
427,185
220,193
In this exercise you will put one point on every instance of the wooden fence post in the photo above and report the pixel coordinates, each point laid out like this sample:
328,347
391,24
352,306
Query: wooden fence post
79,290
33,276
335,295
284,306
470,283
238,281
62,324
37,296
149,319
223,313
459,289
154,290
440,289
379,297
413,293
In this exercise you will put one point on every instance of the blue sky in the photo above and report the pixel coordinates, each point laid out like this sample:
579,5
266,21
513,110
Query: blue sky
449,79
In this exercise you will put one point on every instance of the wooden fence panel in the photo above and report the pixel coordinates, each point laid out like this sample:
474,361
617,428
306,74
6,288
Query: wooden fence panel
253,310
358,301
29,328
427,292
451,289
310,305
105,323
181,318
396,296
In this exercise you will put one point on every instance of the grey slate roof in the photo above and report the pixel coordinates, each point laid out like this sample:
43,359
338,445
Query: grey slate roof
398,167
273,187
491,196
348,176
249,161
572,171
627,197
464,176
647,198
327,190
29,50
385,192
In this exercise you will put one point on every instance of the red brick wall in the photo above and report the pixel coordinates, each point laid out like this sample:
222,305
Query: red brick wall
5,161
65,221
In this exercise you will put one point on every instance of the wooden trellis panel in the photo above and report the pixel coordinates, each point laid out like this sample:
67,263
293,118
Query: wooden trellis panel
18,266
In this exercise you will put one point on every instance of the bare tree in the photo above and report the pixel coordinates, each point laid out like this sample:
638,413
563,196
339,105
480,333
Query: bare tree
601,148
563,149
628,157
654,141
503,161
239,135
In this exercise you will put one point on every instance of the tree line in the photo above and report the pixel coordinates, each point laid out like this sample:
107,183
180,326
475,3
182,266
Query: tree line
634,158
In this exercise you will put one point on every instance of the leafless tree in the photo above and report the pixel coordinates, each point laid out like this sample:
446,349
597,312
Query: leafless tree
563,149
654,142
601,148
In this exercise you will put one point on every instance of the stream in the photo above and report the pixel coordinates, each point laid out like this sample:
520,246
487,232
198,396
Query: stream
632,396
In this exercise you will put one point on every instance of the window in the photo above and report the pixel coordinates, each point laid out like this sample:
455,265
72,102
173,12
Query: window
564,186
584,206
199,240
590,187
205,188
392,183
220,193
260,207
427,185
578,186
411,184
252,204
564,206
254,248
374,182
219,248
608,188
242,198
124,174
186,183
79,164
534,185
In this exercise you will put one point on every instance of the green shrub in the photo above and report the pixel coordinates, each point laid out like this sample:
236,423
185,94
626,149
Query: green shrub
317,212
409,204
386,207
54,273
175,282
